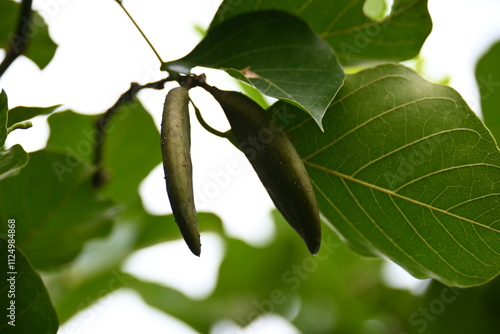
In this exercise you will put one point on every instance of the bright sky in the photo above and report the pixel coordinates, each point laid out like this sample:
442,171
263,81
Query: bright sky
100,53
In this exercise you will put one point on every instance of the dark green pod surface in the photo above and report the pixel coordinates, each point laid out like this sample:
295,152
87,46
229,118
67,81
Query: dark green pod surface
175,147
276,162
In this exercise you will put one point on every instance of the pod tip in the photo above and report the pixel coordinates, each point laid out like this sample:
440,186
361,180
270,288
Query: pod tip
195,249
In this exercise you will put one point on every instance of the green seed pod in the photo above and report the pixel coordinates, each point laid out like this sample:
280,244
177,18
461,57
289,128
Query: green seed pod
276,161
175,147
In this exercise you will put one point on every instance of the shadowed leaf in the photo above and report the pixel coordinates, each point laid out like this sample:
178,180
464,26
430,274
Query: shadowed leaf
354,37
33,311
275,52
406,170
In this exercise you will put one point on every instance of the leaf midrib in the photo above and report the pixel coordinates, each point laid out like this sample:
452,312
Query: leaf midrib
392,193
375,248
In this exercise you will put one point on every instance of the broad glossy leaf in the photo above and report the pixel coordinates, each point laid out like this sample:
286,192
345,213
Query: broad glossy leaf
12,161
21,114
41,48
406,170
55,207
275,52
488,80
131,146
34,312
355,38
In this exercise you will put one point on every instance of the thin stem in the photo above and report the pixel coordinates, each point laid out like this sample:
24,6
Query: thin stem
20,38
102,122
22,125
140,30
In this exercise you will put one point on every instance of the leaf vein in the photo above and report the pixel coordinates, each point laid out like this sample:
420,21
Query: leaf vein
395,194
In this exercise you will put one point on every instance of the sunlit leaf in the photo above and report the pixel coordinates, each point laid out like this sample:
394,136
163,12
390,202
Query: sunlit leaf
353,36
488,80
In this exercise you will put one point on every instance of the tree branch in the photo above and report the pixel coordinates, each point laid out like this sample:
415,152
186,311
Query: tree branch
99,176
20,38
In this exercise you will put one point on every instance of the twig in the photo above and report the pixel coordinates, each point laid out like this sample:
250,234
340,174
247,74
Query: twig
20,38
99,177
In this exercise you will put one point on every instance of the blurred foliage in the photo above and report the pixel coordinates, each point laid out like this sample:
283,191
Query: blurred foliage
79,237
41,48
60,213
15,158
488,81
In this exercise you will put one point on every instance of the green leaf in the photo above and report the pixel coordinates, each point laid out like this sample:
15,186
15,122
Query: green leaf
406,170
41,48
21,114
131,145
55,207
488,80
275,52
22,286
254,94
355,38
12,161
3,117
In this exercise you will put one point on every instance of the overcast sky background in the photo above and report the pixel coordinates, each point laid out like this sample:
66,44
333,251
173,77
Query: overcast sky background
100,52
